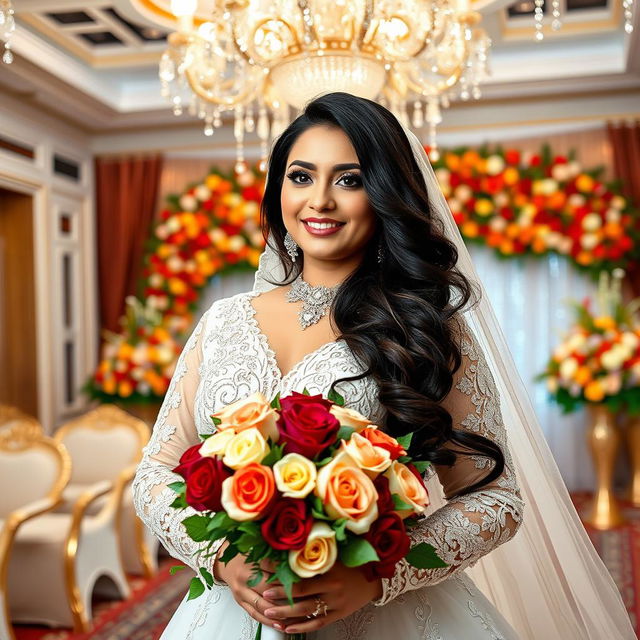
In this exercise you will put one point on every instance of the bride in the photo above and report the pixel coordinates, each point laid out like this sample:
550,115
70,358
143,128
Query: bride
365,284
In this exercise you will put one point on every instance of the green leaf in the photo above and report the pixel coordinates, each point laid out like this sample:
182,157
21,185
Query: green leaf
338,526
250,537
274,455
216,421
421,465
229,553
317,509
196,588
399,504
208,578
196,527
335,397
324,461
405,441
287,578
258,632
404,459
179,502
204,436
255,578
178,487
424,556
344,432
175,568
306,391
220,520
357,552
275,403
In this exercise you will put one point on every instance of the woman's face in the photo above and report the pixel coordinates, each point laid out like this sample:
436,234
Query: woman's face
323,181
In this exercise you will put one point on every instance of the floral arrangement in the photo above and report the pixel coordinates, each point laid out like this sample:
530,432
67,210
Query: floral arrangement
536,203
302,481
599,359
212,228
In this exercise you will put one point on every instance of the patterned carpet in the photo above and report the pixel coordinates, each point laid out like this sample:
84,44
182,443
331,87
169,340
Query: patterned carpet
145,614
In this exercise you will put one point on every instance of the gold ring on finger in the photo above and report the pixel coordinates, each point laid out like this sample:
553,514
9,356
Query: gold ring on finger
255,603
321,608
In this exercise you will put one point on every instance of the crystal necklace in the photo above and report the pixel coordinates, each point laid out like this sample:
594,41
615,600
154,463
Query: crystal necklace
316,301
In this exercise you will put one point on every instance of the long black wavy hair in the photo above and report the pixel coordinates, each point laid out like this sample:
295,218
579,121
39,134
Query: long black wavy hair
402,329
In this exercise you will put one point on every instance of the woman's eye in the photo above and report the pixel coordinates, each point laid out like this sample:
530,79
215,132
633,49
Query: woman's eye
294,175
352,180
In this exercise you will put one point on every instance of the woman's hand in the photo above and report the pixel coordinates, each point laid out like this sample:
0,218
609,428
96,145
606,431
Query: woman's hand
344,591
236,573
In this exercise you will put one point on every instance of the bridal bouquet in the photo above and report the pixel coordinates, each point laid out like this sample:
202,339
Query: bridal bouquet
302,481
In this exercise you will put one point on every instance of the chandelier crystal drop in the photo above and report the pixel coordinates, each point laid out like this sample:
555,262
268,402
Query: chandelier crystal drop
7,27
262,58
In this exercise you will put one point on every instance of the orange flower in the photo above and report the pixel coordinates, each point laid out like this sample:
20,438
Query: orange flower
582,375
584,183
511,176
254,411
470,229
594,391
410,489
380,439
248,492
372,460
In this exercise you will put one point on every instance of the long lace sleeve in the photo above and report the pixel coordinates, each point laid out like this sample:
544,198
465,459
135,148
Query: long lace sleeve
470,526
173,433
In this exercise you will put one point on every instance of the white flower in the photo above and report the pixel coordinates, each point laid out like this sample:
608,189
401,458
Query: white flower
568,367
494,165
589,241
295,475
561,172
188,203
613,215
244,448
202,192
591,222
216,445
576,200
463,192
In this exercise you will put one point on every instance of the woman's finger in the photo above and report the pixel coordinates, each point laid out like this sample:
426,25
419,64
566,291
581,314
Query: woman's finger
303,589
255,606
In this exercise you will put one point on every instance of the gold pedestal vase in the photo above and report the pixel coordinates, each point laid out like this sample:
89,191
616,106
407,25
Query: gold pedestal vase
633,446
603,439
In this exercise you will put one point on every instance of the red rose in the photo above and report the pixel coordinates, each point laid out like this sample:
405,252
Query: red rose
391,542
191,455
385,501
306,426
287,525
204,484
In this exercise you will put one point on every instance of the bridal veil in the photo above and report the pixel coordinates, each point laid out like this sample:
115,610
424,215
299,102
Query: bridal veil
548,581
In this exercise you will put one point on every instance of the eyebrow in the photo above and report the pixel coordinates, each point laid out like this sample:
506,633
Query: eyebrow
337,167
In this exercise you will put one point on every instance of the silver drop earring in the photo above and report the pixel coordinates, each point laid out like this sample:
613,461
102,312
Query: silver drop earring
292,247
380,252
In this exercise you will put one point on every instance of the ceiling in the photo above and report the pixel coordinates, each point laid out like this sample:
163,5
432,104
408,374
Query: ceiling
94,62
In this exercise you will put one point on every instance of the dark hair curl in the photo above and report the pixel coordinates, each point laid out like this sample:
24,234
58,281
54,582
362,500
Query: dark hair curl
403,329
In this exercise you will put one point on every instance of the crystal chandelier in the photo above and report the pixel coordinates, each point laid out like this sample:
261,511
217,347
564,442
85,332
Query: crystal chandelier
258,58
7,27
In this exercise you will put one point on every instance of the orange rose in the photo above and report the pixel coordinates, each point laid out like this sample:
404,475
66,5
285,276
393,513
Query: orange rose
350,417
252,411
347,492
409,488
248,493
372,460
380,439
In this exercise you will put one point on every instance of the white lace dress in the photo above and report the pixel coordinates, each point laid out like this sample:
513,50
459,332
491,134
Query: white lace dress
227,358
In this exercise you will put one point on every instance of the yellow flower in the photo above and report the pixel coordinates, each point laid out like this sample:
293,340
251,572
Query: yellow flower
403,482
295,475
604,322
484,207
318,555
585,183
244,448
216,445
594,391
177,287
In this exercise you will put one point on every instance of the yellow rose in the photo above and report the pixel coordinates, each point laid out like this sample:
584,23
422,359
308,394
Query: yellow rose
371,459
318,555
295,475
350,417
216,445
244,448
409,489
347,492
252,411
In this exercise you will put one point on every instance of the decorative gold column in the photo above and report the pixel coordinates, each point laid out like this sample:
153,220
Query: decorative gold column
633,444
603,438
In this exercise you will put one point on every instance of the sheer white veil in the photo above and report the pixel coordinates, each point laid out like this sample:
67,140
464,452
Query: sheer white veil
548,581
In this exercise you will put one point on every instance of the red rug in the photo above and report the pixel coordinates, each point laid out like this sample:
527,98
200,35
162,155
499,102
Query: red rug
147,612
142,617
620,550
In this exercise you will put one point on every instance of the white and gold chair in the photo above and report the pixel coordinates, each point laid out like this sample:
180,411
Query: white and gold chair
33,472
12,418
119,438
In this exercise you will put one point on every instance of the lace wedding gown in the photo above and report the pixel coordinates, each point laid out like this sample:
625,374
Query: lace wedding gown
227,358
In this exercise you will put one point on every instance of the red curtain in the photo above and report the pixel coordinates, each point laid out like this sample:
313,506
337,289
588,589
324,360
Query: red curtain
126,195
625,142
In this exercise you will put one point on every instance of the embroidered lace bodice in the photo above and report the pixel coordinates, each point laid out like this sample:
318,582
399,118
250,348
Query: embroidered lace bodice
227,358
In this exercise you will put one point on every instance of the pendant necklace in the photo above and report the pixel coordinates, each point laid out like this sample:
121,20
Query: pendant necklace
316,301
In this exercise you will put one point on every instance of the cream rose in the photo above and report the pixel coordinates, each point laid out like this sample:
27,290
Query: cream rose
371,459
252,411
347,492
410,490
244,448
295,475
216,445
350,417
318,555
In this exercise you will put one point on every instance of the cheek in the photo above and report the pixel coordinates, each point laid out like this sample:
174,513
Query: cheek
290,202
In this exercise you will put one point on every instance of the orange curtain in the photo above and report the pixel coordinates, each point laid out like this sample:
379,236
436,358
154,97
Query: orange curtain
126,197
625,141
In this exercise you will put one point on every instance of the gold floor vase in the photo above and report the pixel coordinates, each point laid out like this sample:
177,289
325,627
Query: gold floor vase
633,445
603,438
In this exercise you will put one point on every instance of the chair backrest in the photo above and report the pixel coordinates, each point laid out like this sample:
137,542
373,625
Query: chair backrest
32,467
102,443
13,419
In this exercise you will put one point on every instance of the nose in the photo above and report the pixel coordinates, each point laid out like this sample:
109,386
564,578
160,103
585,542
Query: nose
320,198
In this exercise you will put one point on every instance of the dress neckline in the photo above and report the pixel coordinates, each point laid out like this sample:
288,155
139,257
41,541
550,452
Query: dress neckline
266,347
